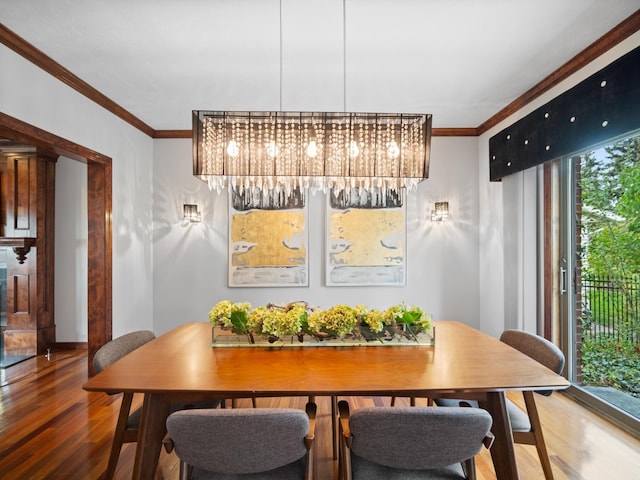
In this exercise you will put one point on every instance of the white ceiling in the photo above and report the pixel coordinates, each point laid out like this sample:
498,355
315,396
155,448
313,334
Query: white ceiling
460,60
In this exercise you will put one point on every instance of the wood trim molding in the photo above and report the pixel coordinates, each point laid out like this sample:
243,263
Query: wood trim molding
11,127
172,134
619,33
99,212
99,188
46,63
454,132
609,40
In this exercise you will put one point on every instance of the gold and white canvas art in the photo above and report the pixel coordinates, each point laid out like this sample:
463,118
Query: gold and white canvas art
365,242
268,246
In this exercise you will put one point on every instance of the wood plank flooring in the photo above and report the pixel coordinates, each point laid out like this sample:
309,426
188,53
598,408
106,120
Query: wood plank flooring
52,429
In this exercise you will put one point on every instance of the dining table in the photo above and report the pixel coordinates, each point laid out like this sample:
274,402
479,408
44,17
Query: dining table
463,362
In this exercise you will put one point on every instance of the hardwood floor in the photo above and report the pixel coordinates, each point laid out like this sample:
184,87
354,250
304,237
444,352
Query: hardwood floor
52,429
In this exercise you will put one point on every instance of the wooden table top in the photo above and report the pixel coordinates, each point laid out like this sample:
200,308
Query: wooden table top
462,360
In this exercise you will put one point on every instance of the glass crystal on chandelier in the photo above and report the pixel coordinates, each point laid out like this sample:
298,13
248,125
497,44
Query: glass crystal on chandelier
283,151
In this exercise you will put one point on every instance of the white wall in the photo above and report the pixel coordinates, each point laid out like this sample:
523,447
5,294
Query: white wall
190,263
71,237
508,252
33,96
165,274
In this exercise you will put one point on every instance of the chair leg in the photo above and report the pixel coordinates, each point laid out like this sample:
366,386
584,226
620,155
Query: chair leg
185,470
469,468
118,435
334,423
536,428
344,458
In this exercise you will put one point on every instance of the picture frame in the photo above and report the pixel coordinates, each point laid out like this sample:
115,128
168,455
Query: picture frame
268,240
365,239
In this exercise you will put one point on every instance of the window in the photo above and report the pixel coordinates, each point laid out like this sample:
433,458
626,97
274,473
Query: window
592,273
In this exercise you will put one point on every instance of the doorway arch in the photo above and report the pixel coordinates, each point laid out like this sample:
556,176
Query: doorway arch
99,210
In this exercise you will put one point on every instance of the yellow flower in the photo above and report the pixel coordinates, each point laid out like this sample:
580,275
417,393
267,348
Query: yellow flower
225,312
339,320
297,318
361,310
220,311
281,324
376,320
256,319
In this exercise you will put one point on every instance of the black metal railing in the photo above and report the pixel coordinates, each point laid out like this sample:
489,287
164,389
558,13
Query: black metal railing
611,307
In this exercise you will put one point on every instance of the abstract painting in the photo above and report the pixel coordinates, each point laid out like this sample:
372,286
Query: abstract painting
268,244
365,242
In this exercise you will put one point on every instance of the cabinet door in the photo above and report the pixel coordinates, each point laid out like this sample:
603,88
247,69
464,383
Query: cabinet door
19,329
20,183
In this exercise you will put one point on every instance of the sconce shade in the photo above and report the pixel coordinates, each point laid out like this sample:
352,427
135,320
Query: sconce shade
287,150
191,213
440,211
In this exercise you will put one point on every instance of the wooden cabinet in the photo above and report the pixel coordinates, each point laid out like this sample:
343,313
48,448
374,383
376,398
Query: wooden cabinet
27,215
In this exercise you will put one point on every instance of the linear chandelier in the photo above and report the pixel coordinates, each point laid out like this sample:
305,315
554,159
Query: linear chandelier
283,151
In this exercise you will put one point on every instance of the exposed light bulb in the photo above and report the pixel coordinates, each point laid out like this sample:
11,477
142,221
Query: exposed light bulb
273,152
354,150
392,150
312,149
272,149
232,149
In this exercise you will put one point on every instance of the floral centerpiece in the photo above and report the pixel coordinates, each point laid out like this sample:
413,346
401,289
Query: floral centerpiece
240,323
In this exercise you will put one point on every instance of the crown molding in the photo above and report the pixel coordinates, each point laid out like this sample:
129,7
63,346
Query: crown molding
619,33
609,40
23,48
172,134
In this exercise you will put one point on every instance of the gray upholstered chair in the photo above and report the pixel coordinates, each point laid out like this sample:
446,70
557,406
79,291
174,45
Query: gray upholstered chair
407,443
525,425
128,422
244,443
127,425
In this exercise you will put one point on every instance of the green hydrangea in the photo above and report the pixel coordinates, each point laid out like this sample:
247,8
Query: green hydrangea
375,320
231,315
220,312
339,320
257,318
294,319
280,323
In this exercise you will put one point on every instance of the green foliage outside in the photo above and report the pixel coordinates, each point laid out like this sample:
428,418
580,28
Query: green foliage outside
610,363
611,210
610,231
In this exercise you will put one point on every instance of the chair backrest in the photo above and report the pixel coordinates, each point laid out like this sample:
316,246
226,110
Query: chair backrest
239,441
536,347
117,348
418,438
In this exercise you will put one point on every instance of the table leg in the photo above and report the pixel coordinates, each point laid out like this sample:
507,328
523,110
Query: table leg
335,431
502,451
155,411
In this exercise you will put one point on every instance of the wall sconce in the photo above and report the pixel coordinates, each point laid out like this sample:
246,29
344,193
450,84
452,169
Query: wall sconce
440,211
191,214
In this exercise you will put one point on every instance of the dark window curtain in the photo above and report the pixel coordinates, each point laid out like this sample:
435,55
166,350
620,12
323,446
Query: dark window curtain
602,107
